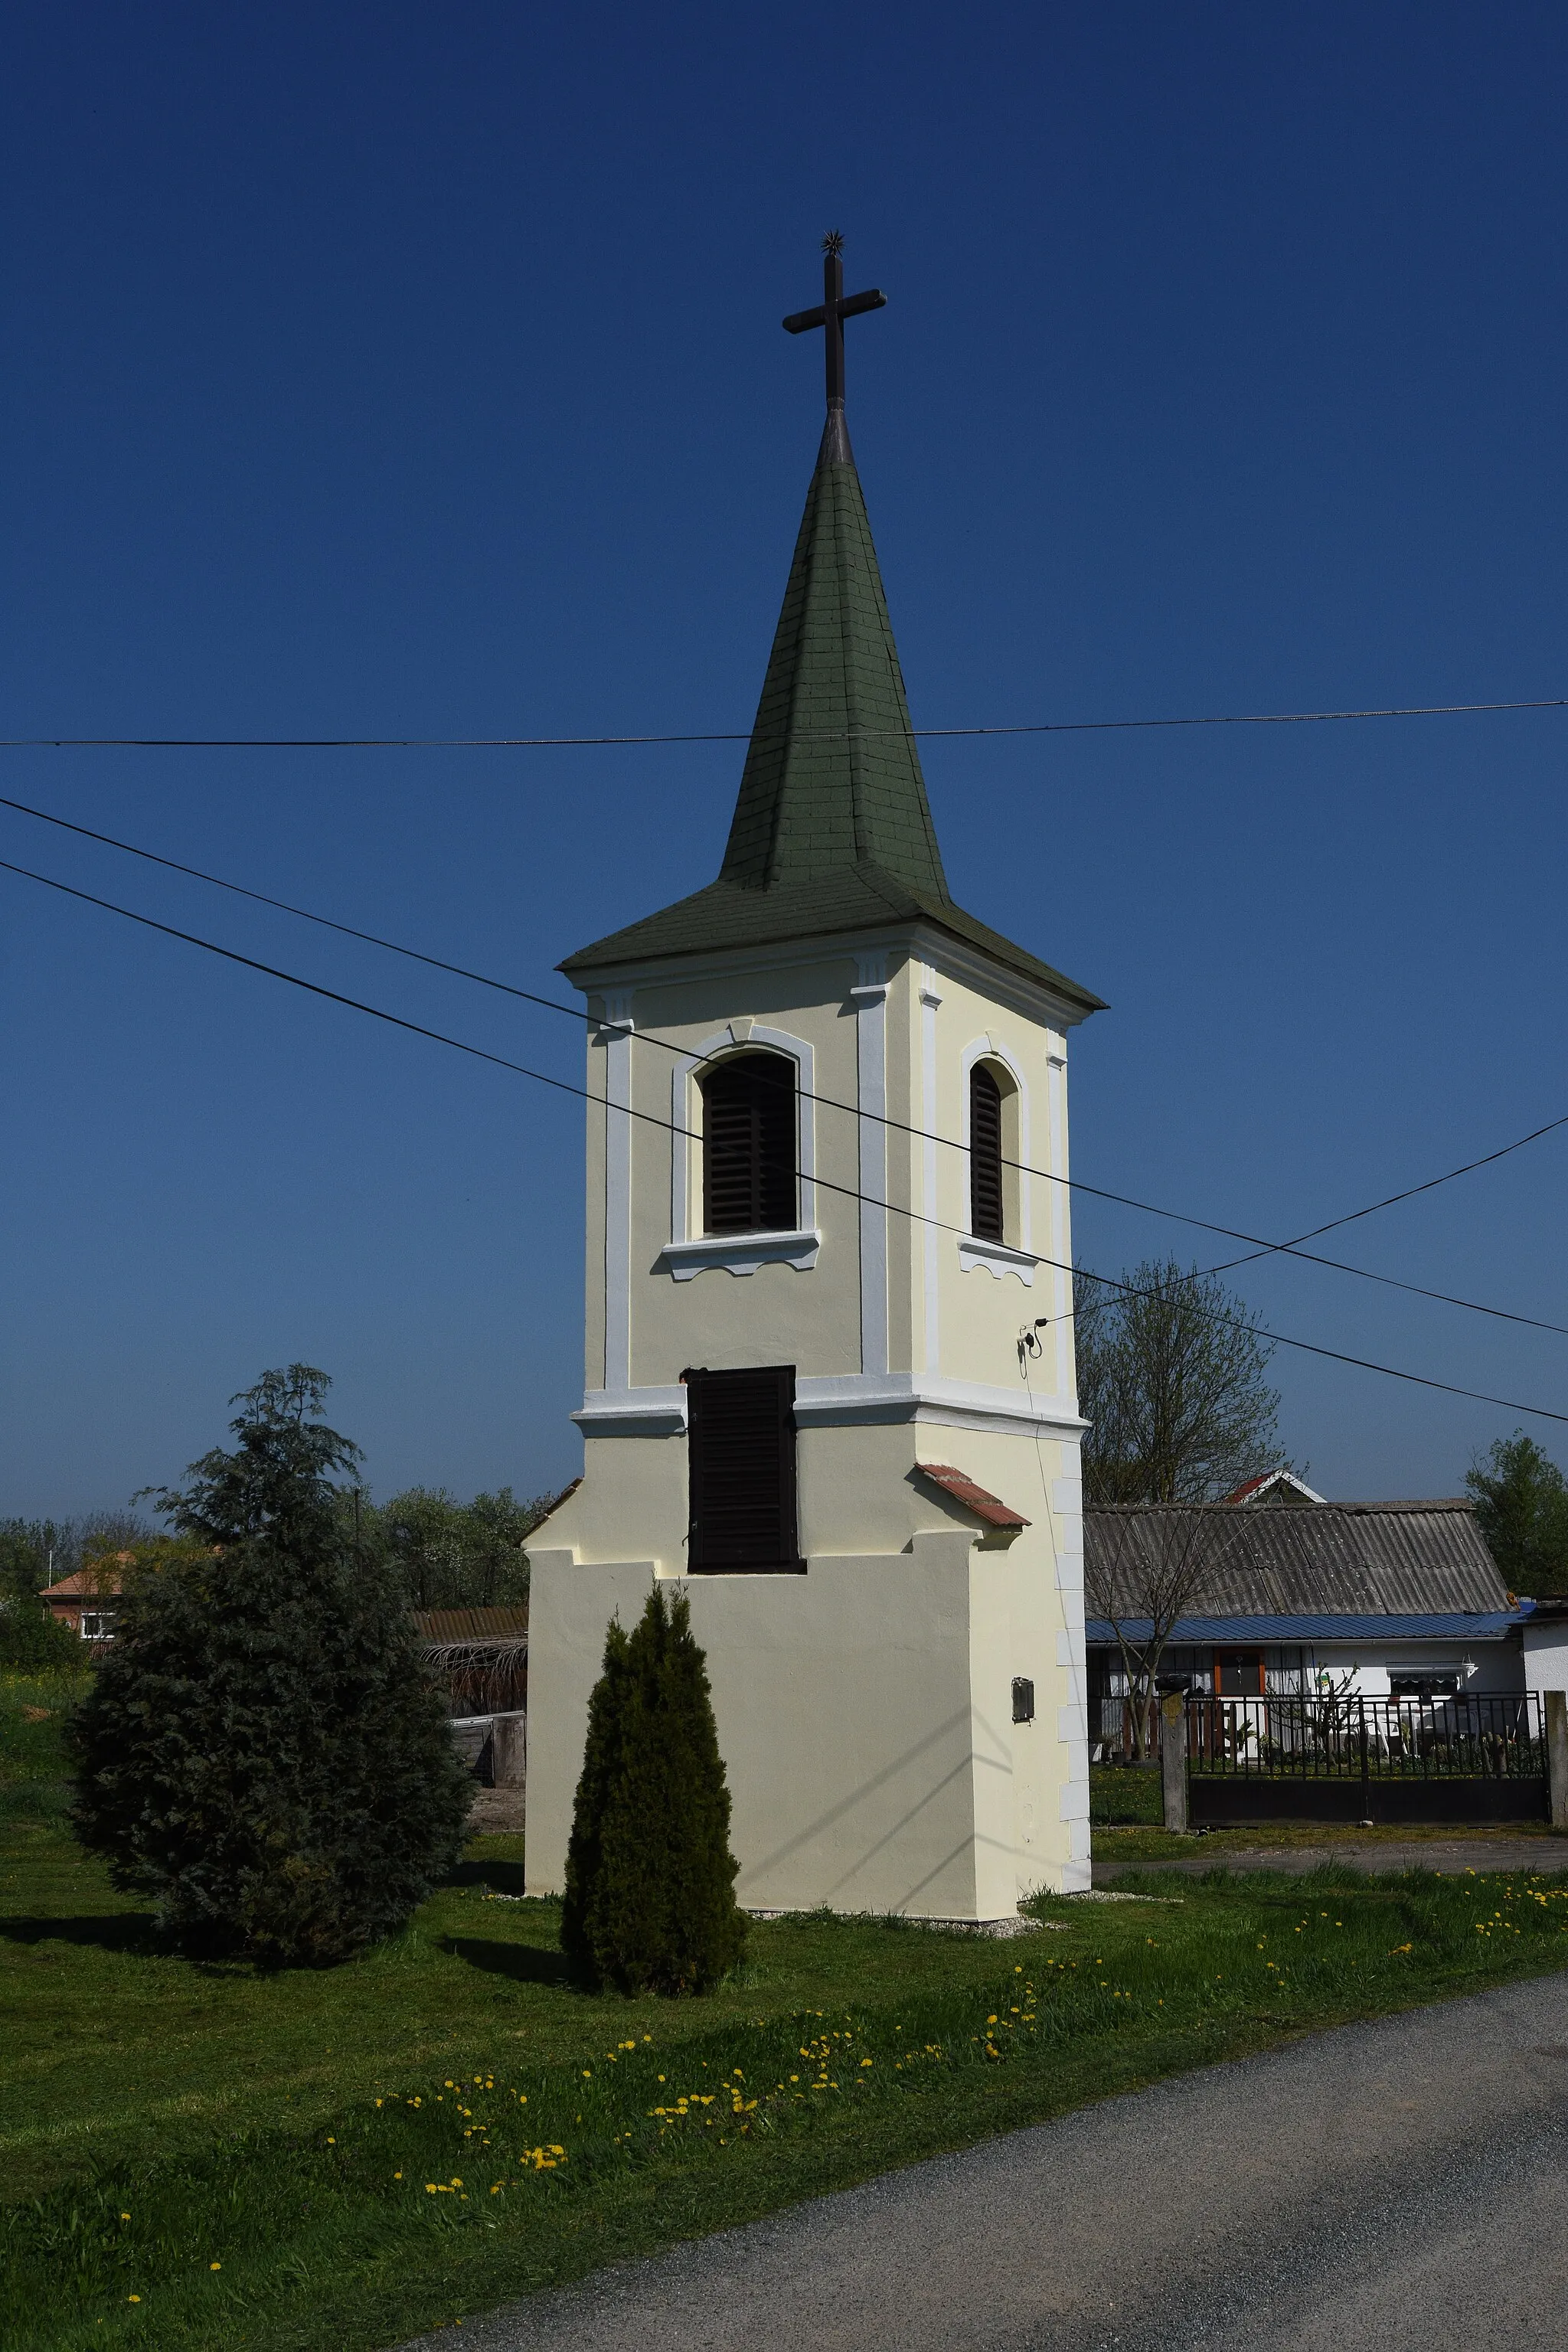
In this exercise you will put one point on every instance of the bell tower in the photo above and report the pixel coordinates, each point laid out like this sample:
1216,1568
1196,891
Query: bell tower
828,1367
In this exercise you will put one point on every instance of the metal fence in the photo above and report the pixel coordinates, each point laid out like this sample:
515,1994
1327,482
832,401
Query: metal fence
1369,1738
1335,1757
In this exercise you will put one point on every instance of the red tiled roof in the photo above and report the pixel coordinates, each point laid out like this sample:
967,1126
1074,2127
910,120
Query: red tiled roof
987,1506
95,1581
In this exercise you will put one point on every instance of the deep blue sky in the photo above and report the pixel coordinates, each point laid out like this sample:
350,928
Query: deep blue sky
418,369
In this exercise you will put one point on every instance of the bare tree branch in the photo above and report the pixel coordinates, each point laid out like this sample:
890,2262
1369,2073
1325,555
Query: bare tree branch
1146,1567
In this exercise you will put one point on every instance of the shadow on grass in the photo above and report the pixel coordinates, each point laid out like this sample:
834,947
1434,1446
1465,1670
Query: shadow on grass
524,1963
504,1877
125,1931
34,1800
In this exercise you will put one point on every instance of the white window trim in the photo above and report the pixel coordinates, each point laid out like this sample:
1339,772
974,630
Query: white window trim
869,998
688,1253
931,1002
998,1258
741,1253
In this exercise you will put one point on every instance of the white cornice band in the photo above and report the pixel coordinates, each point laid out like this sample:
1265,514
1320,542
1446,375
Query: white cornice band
941,950
842,1403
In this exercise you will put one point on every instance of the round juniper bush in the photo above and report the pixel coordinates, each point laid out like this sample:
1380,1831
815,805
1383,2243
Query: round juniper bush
262,1751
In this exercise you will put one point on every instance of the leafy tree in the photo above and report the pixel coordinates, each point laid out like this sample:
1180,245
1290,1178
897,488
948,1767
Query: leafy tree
262,1751
1171,1376
32,1638
650,1880
26,1555
453,1555
36,1552
1521,1507
1145,1567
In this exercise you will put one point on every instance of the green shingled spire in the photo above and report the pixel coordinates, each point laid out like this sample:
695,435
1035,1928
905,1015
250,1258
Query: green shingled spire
832,776
832,833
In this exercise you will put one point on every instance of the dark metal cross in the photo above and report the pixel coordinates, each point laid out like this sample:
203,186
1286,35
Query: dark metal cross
835,309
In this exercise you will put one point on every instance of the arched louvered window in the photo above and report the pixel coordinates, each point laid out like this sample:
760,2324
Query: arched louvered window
984,1155
749,1145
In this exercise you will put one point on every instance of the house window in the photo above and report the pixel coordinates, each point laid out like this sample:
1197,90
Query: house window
98,1625
1239,1674
740,1447
984,1155
749,1145
1419,1686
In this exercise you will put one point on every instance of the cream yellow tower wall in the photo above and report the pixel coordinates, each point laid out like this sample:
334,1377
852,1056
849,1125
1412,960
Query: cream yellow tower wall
865,1709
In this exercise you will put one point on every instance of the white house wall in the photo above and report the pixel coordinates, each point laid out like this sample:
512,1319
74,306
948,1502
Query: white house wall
1546,1656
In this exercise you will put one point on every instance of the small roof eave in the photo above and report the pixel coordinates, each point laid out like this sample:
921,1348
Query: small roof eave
978,1501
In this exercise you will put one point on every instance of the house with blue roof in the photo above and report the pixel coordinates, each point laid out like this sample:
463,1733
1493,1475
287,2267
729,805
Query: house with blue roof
1303,1597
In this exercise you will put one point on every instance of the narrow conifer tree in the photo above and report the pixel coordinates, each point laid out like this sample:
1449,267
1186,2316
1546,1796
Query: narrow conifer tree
601,1770
650,1878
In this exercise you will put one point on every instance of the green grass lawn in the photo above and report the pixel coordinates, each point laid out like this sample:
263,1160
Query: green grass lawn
1125,1794
201,2156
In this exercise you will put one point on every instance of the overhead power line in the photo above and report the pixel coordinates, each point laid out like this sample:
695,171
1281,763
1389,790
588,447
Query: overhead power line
1076,1183
746,734
670,1126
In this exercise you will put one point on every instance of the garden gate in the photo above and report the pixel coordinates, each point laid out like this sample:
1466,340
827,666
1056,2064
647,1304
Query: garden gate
1346,1758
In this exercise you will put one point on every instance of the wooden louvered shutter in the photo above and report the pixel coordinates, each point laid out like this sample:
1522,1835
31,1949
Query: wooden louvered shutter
740,1443
749,1145
984,1155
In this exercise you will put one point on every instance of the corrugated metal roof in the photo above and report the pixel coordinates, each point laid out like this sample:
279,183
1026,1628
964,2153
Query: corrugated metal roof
1453,1625
472,1624
1337,1559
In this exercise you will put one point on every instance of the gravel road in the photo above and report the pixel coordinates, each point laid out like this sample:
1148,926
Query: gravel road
1402,2184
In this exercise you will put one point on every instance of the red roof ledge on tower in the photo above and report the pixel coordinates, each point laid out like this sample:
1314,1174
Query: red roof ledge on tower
1000,1521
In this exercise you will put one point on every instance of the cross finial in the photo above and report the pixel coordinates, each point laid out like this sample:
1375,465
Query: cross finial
835,308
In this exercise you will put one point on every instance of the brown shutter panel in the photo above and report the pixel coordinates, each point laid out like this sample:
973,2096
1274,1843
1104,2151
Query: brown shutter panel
985,1156
749,1145
740,1447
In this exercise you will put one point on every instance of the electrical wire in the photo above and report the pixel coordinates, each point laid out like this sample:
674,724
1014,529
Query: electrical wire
670,1126
743,735
1076,1183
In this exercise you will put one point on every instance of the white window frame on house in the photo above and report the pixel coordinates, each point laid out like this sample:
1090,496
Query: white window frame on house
690,1251
999,1258
97,1625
